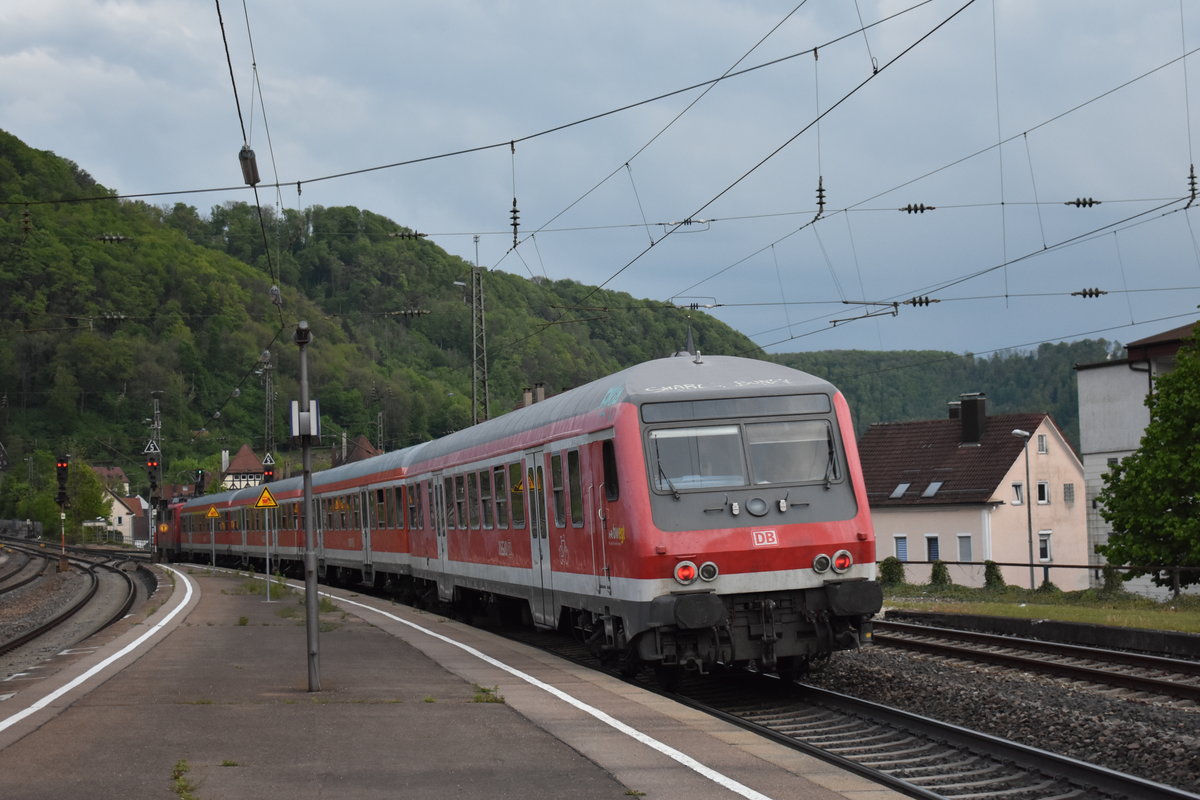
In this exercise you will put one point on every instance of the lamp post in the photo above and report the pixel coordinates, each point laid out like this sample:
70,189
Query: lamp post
1026,435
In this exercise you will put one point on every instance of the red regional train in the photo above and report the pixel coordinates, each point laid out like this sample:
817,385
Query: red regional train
686,513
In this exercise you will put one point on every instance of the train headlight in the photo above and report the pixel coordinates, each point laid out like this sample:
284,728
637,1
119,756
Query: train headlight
709,571
686,573
821,563
842,561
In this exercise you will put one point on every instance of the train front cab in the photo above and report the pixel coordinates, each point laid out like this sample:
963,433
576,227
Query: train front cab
756,544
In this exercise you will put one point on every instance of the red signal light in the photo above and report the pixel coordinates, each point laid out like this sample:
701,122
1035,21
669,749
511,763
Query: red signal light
685,572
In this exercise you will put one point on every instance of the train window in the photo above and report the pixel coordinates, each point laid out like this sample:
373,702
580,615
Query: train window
381,509
414,502
498,480
516,485
473,499
460,501
485,497
612,486
575,481
795,451
396,512
559,490
358,510
448,500
696,458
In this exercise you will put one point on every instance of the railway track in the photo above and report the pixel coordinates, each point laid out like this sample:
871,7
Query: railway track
915,755
101,608
1154,675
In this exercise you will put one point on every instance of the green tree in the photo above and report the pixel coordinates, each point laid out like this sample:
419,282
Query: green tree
1152,498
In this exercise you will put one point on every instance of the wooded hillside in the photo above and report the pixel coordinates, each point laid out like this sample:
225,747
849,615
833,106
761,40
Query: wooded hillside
112,304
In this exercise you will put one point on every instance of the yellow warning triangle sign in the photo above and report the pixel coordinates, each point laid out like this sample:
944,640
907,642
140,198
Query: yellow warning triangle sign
266,500
212,512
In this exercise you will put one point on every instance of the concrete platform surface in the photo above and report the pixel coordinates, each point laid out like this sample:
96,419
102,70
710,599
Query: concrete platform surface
215,706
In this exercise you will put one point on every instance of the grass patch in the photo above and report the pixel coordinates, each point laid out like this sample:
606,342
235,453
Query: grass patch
228,763
243,621
1093,606
183,788
430,699
486,695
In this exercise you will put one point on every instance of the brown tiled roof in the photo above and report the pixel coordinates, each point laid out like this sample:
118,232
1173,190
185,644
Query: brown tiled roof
110,475
244,461
920,453
1162,344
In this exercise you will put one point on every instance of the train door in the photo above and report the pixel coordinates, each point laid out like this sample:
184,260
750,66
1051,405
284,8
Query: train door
542,578
364,528
316,511
437,507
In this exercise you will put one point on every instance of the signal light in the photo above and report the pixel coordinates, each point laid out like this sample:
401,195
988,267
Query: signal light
62,464
152,472
268,474
842,561
821,563
685,573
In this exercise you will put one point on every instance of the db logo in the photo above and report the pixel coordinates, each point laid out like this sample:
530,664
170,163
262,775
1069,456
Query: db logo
765,538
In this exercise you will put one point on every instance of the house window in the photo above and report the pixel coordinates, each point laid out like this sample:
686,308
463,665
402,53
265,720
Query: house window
1044,545
932,549
899,491
931,489
902,547
1043,492
964,547
1018,494
1068,493
1042,443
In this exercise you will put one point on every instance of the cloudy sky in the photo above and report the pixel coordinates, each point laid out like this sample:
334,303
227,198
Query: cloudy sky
607,123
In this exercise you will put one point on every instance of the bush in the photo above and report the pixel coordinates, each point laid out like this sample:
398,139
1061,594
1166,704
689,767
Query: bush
1114,583
1049,588
891,571
940,574
992,579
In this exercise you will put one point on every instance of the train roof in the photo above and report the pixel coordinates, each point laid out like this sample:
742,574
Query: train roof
681,377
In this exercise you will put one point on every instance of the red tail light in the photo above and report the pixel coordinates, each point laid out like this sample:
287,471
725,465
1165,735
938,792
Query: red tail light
842,561
685,572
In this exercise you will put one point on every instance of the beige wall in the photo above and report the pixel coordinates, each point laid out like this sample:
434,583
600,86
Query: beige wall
999,531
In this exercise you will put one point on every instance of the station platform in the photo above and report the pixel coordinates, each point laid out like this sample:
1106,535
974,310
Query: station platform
204,695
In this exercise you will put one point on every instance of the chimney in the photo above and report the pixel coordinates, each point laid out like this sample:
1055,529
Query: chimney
526,397
955,409
974,416
539,392
224,461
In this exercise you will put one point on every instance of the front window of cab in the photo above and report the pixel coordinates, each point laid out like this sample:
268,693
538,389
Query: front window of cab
733,453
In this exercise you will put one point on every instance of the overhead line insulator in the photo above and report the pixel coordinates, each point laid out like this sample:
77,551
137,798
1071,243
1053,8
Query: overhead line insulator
923,300
917,208
1088,293
820,193
516,217
1083,202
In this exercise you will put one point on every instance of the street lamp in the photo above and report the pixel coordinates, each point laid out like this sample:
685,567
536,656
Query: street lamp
1026,435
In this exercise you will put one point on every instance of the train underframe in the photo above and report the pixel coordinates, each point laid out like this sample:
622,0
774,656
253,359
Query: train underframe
779,632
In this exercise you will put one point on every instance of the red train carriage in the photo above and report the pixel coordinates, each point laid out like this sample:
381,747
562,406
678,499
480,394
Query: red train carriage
686,512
